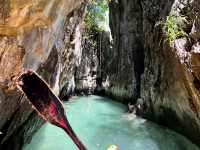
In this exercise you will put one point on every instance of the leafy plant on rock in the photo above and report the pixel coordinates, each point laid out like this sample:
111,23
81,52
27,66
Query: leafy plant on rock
173,27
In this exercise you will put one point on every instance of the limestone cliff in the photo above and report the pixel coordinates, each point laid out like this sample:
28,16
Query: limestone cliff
163,78
36,35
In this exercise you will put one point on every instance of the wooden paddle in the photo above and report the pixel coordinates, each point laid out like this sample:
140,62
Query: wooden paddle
46,103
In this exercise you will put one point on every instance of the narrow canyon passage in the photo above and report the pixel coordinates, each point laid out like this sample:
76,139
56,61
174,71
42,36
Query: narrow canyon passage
141,53
101,122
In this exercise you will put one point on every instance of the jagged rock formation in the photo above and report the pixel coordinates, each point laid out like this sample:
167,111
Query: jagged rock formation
38,35
165,78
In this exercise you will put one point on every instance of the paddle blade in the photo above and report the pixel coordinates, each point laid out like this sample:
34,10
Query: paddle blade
45,102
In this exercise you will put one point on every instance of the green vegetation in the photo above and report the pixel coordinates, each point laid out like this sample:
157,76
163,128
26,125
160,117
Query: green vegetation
95,21
174,29
96,16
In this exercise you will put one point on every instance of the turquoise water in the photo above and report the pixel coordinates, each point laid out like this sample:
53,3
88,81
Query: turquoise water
100,122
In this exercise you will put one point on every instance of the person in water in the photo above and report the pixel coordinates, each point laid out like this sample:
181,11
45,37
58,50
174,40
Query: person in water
131,108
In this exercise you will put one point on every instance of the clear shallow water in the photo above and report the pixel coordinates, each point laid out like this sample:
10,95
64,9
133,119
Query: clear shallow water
100,122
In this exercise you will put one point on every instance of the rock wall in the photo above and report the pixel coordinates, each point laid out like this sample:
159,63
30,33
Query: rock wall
36,35
171,78
126,66
162,77
91,73
86,71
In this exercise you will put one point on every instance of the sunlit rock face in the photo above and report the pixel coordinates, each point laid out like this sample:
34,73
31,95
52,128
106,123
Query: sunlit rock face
169,85
38,35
